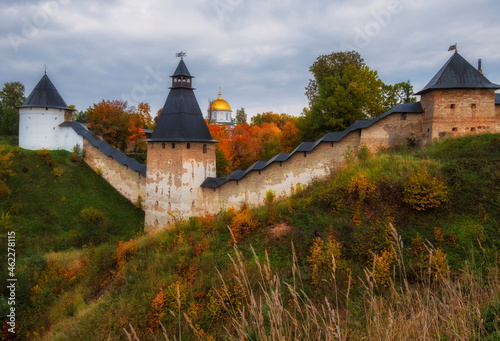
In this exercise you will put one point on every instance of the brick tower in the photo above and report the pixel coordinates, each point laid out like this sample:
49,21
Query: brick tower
181,155
458,101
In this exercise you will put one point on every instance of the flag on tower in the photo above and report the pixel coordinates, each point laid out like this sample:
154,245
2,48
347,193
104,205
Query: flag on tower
453,47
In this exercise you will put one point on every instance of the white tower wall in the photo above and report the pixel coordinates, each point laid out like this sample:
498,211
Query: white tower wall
39,128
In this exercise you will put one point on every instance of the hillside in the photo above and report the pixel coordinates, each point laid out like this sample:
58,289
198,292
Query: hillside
399,245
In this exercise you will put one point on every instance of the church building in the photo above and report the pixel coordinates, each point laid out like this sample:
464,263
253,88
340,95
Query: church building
219,111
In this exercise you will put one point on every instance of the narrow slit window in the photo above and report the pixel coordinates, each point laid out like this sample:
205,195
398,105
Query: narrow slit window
452,106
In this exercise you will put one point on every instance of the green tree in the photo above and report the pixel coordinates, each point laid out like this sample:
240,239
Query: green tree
241,116
343,91
399,93
333,64
11,97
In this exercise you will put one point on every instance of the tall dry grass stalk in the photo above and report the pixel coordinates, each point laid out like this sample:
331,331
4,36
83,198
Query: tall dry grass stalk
439,307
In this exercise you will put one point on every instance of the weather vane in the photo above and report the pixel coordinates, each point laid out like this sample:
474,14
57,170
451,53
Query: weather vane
45,67
181,54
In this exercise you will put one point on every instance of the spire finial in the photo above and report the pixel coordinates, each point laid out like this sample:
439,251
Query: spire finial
45,67
220,93
181,54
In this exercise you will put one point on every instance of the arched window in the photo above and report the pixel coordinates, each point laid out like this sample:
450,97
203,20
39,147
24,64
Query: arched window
173,145
204,149
163,145
188,146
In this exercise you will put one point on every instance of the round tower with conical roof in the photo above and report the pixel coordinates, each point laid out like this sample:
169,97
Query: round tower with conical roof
181,155
40,116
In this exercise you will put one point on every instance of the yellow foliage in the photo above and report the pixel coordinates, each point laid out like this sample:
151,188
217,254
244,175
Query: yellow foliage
124,252
325,258
242,223
382,267
423,191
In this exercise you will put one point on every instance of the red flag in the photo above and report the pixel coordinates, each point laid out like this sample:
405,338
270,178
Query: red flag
452,47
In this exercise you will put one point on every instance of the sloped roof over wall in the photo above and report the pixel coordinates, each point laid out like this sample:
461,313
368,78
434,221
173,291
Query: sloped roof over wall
309,146
105,148
45,95
458,73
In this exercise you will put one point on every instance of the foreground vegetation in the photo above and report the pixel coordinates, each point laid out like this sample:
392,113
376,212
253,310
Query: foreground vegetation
399,245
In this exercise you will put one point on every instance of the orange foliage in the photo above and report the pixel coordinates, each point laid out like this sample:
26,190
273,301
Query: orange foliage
124,252
242,223
110,120
243,145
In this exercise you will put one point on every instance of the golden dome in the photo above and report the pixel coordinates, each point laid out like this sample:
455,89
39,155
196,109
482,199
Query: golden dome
219,104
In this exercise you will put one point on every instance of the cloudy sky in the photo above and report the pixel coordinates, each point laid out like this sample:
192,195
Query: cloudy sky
259,52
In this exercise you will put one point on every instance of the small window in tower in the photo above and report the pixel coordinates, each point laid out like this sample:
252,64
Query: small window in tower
173,145
163,145
473,106
452,106
188,146
204,149
403,116
454,129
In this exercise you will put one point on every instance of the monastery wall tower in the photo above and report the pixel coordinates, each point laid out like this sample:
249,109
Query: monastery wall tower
458,101
181,155
40,119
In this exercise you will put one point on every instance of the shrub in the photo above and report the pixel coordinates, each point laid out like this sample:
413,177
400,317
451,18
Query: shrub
363,153
91,215
78,154
6,223
271,208
325,258
423,191
243,223
45,153
15,209
57,172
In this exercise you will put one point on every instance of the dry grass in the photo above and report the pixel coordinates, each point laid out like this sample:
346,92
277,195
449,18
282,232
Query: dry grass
439,307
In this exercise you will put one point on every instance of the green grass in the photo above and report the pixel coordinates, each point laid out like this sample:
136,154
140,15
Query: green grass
46,209
107,297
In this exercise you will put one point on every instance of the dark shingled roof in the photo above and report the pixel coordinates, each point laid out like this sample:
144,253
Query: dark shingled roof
45,95
458,73
182,70
415,107
105,148
181,119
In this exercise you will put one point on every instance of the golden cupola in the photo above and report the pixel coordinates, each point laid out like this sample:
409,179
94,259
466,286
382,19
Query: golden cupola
219,104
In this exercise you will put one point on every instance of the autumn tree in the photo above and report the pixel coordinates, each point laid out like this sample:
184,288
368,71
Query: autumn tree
219,133
289,138
269,136
139,120
11,97
110,120
269,117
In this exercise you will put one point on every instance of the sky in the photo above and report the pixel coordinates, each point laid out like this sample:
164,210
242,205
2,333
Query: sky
259,52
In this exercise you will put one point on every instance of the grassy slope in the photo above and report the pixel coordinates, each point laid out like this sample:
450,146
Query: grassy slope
141,281
45,213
